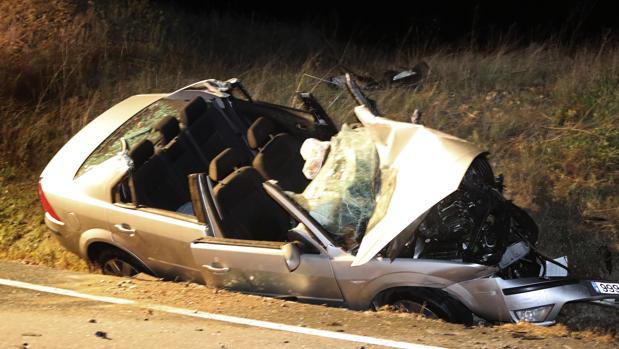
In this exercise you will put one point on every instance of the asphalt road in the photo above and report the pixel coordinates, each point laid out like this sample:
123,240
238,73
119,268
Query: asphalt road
38,319
30,319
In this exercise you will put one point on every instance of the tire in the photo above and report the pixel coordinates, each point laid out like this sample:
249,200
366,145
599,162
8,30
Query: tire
431,303
119,263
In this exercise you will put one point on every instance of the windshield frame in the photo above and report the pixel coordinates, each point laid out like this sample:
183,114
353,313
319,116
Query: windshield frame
315,229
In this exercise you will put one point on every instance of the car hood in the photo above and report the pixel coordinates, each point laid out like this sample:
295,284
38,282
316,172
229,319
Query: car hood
429,166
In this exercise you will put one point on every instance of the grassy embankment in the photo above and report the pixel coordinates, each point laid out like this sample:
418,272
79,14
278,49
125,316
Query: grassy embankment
548,114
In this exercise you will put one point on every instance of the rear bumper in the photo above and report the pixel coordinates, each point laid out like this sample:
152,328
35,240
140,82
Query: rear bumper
496,299
59,231
56,226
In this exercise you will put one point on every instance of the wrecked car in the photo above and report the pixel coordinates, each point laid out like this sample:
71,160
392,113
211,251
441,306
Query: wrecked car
208,185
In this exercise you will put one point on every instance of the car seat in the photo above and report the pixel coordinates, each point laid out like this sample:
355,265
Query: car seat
278,155
247,212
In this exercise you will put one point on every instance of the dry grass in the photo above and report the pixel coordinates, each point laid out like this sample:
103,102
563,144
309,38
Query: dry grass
548,115
529,331
22,234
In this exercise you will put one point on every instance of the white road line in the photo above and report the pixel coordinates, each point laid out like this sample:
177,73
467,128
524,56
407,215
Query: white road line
220,317
64,292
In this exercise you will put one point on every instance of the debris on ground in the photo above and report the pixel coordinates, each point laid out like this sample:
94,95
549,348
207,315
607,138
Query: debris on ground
409,78
102,335
145,277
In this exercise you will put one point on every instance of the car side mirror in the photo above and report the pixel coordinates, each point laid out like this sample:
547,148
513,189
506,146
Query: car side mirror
292,256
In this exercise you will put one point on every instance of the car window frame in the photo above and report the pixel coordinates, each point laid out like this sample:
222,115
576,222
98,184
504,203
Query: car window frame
315,230
275,245
162,212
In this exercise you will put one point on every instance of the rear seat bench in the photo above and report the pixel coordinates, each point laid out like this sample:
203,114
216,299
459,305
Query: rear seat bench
160,173
208,131
178,154
152,186
192,145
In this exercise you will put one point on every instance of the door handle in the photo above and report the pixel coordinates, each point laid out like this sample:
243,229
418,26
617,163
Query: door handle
124,228
216,269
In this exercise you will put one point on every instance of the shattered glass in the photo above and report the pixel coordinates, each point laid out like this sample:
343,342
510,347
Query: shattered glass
343,196
134,130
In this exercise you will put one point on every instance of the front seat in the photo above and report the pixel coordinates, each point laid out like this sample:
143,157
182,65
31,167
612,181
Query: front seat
247,212
278,155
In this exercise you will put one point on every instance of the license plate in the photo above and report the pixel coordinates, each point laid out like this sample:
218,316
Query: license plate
606,287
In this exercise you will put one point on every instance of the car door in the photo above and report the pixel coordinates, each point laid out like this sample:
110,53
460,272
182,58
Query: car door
161,239
260,267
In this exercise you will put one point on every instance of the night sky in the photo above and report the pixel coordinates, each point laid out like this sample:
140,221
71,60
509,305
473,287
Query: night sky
390,22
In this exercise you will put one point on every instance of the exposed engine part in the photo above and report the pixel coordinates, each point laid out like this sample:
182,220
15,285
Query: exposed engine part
513,253
476,224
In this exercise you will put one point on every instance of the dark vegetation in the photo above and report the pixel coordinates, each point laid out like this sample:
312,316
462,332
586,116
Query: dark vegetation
549,114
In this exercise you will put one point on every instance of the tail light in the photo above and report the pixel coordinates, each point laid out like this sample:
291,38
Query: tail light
46,206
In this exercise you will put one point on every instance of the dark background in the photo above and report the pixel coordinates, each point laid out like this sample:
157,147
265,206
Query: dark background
480,23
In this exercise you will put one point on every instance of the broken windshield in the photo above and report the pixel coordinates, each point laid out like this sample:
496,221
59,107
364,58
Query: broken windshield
343,196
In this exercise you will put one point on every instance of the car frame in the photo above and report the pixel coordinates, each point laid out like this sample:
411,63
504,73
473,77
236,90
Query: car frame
85,212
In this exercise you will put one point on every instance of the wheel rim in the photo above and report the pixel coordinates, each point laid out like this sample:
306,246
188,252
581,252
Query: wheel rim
408,306
118,267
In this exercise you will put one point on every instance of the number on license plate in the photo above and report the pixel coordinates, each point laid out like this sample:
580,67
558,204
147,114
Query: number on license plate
606,287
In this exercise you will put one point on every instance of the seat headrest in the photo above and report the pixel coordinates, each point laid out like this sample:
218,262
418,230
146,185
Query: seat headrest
224,164
194,110
258,133
169,128
141,152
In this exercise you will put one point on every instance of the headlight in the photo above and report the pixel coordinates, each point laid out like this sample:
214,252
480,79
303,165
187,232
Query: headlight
537,314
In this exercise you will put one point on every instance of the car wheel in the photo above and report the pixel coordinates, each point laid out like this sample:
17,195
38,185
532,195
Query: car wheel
413,307
431,303
118,263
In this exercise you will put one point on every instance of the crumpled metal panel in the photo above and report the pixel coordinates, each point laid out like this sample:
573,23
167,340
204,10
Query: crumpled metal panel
429,165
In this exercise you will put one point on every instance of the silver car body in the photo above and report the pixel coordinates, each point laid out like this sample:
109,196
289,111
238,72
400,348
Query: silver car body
181,246
408,148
